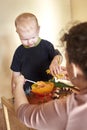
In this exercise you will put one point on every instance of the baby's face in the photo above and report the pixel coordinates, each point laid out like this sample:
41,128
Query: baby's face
28,35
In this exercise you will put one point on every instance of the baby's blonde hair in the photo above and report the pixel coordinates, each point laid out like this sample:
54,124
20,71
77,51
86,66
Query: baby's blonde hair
26,18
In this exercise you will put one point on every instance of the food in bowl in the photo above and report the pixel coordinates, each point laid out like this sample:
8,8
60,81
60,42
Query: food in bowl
42,88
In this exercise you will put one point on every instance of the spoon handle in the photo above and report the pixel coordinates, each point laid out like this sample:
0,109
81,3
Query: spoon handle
31,81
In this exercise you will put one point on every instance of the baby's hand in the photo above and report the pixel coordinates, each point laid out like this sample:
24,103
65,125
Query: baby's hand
55,65
60,74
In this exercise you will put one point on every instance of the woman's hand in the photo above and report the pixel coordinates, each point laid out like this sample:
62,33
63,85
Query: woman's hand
19,80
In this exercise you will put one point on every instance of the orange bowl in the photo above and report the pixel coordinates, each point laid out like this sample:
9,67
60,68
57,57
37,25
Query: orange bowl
42,88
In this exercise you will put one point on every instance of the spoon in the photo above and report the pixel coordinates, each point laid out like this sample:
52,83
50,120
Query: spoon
31,81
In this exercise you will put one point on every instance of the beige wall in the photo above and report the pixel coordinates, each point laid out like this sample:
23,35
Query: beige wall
52,15
79,10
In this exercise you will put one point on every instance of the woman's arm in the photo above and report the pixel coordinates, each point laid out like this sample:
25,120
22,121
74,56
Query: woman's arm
14,75
19,94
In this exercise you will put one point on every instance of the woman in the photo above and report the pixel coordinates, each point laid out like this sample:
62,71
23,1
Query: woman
70,113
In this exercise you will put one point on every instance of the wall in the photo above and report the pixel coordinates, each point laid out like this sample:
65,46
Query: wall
52,15
79,9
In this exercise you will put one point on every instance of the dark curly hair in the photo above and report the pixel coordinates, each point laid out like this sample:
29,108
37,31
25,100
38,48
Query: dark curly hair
76,45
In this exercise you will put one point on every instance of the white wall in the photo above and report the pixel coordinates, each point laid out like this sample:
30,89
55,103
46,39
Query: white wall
52,15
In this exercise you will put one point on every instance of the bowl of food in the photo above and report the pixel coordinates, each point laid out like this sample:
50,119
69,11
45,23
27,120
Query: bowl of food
42,88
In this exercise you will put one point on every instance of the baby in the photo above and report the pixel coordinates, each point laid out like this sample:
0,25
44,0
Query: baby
34,56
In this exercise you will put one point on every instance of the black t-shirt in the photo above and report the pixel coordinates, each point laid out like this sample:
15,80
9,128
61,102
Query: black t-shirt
34,61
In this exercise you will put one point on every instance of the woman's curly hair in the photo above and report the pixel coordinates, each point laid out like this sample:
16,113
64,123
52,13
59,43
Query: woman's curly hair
76,45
